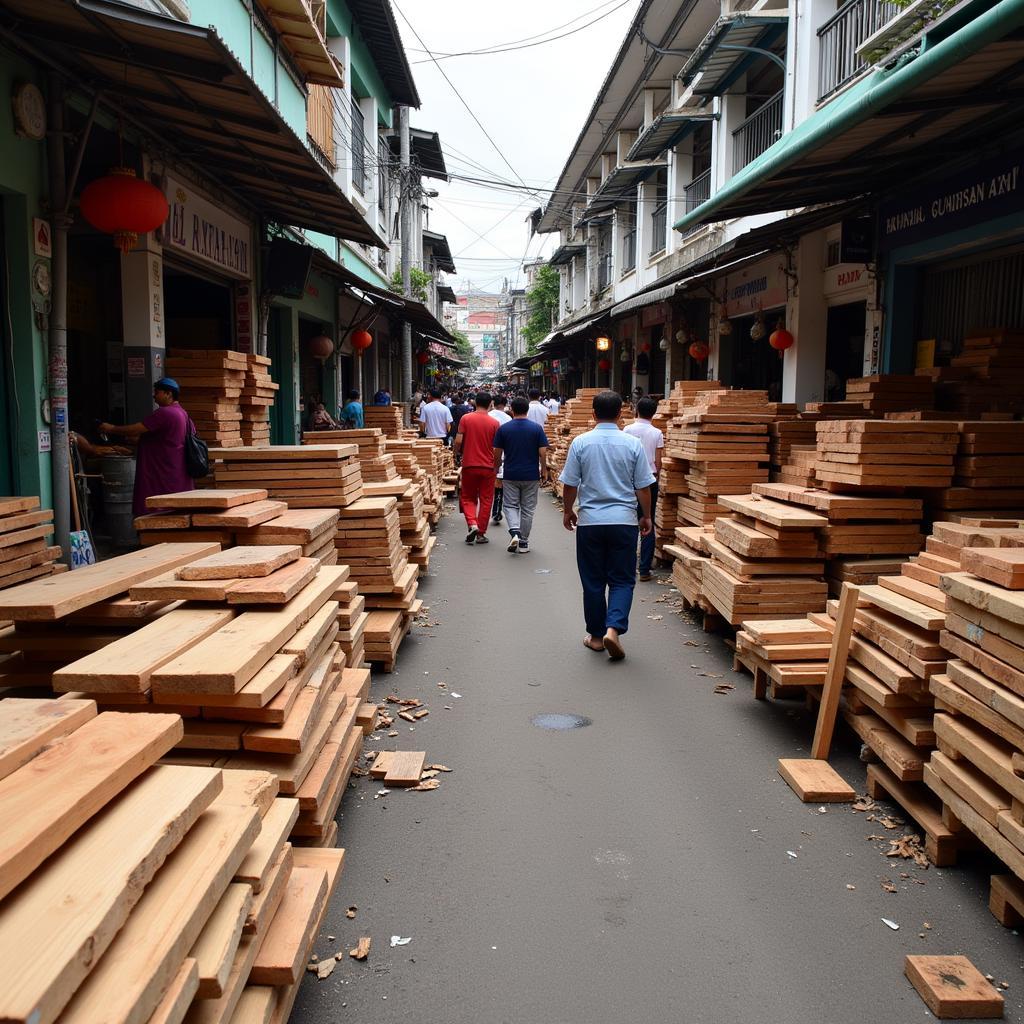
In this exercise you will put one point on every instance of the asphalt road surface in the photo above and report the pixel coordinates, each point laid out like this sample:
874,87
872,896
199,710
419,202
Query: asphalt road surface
638,869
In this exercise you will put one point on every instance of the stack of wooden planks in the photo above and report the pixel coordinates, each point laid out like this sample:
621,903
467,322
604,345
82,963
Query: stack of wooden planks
986,377
143,891
784,654
690,555
786,436
303,476
438,462
312,529
387,418
765,560
25,553
988,469
724,439
205,514
374,461
800,466
883,393
885,453
258,390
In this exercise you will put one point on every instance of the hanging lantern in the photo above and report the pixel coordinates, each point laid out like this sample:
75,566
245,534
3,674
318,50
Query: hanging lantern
361,341
724,323
603,343
645,346
758,331
124,206
699,350
624,355
423,358
681,336
663,344
781,339
604,365
321,347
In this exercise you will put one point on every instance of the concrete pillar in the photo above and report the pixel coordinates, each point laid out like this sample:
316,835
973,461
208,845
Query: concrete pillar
803,371
801,87
732,110
680,174
142,321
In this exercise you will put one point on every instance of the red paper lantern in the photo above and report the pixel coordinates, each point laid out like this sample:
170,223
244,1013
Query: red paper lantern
604,365
124,206
645,346
321,347
361,340
423,358
781,339
699,350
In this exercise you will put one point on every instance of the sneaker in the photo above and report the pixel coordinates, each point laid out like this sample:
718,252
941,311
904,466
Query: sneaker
524,547
646,577
513,544
482,539
471,536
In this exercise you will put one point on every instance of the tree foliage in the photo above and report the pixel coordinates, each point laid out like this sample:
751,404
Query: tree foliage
419,283
542,303
464,349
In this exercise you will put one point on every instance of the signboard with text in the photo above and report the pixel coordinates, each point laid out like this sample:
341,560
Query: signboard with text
201,230
761,286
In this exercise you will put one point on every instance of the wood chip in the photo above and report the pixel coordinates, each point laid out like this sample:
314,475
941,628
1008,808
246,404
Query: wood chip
362,950
424,787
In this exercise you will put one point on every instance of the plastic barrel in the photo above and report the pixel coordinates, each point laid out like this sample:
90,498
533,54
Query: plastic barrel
118,485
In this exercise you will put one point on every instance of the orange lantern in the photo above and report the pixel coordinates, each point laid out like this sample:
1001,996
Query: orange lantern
423,358
361,341
699,350
124,206
321,347
781,339
604,365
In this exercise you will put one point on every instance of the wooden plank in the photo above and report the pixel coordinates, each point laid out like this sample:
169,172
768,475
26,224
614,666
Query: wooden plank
835,673
971,783
985,596
1003,567
241,517
815,781
911,611
958,698
28,726
241,562
60,922
218,1010
289,452
128,664
52,598
259,861
266,901
293,733
47,800
178,998
278,587
915,590
953,988
308,638
141,962
255,1005
281,956
988,752
256,694
221,499
214,950
245,788
405,768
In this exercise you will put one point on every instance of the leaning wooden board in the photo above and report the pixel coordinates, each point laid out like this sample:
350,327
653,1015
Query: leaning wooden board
52,598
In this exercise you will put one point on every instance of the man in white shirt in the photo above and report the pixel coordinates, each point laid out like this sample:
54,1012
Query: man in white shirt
553,405
536,412
653,442
498,413
435,417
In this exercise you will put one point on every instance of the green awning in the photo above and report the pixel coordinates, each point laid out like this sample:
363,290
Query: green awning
957,96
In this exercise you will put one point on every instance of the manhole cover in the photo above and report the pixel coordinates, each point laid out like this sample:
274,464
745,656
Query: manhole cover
560,722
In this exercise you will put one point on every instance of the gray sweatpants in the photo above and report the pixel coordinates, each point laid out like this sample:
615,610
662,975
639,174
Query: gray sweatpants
520,505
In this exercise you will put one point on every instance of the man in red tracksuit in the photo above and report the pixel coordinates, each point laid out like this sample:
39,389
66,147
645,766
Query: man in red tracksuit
475,442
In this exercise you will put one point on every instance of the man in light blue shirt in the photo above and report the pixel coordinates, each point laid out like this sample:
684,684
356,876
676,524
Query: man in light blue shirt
608,472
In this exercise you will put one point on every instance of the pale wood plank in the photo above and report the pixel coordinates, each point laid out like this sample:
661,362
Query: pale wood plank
835,673
815,781
241,562
177,999
281,957
255,1005
953,988
255,869
214,950
221,498
405,768
267,900
27,726
277,588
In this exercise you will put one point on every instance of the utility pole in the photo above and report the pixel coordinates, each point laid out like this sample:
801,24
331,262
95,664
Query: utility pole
405,205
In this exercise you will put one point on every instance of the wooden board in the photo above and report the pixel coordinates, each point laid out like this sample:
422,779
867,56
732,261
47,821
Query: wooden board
266,901
214,950
241,562
815,781
48,799
147,952
59,923
52,598
912,611
255,1005
220,499
241,516
176,1000
405,768
259,861
278,587
28,726
953,988
281,956
835,673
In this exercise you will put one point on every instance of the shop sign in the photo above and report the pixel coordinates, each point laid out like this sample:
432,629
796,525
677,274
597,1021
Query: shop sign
651,315
981,193
761,286
205,232
437,349
44,441
42,242
136,366
846,278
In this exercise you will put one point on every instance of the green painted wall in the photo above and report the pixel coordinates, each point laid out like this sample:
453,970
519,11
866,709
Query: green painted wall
22,190
354,262
365,77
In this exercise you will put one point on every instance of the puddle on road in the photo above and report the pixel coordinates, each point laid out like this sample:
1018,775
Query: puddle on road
560,723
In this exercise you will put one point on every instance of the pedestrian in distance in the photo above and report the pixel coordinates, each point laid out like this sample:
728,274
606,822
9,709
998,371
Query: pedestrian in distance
458,410
475,443
653,441
524,447
435,417
608,472
382,397
352,413
538,412
498,413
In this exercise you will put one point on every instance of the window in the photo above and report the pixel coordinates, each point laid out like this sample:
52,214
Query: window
383,162
832,250
659,215
627,222
358,147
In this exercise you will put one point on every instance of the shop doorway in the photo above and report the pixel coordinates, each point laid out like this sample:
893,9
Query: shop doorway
844,347
745,363
312,371
198,310
7,417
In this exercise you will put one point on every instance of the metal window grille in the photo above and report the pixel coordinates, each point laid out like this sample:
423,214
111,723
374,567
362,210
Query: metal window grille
762,129
358,147
839,38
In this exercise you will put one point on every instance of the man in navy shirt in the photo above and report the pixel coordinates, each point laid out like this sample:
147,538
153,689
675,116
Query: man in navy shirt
524,445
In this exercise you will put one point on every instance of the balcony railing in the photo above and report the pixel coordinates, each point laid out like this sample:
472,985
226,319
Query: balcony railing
697,192
604,271
659,225
320,122
839,38
757,133
629,251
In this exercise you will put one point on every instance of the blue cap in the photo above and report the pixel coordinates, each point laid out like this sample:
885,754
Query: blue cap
167,384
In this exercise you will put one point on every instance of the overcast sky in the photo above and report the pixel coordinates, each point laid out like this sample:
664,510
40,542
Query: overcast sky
531,101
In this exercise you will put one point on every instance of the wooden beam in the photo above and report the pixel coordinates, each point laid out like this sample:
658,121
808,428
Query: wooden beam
835,673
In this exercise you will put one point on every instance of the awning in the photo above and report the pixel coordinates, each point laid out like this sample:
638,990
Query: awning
627,176
305,41
582,328
724,53
424,151
182,84
379,31
446,293
667,130
648,298
565,254
440,251
957,97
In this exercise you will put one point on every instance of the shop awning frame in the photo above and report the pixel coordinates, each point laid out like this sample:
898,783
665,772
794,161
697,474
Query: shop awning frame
566,253
182,85
892,126
667,130
303,39
625,177
725,52
441,252
425,152
446,293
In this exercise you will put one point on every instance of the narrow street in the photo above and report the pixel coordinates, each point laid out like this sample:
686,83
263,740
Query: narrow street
636,869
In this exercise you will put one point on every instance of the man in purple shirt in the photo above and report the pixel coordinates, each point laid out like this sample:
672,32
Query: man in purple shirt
160,457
